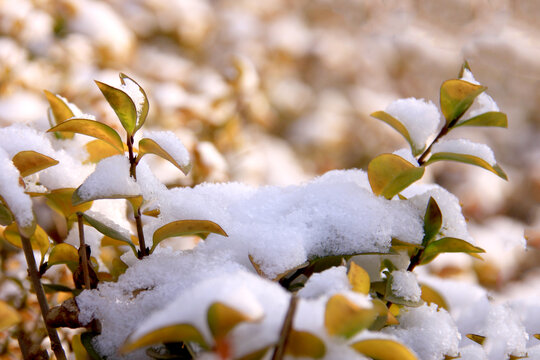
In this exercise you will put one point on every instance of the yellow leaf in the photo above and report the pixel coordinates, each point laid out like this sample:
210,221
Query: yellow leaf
399,127
456,97
149,146
98,150
63,254
305,344
432,296
152,212
359,279
345,318
186,227
78,348
29,162
490,118
60,201
383,349
92,128
479,339
223,318
122,105
60,110
389,174
39,240
171,333
467,159
8,316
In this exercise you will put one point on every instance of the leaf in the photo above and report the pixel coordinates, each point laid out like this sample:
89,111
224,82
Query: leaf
537,336
94,129
152,212
60,201
64,253
467,159
122,105
54,288
305,344
432,296
432,221
464,66
149,146
344,318
185,227
171,333
6,217
8,316
29,162
383,349
398,245
108,231
449,244
399,127
382,317
456,97
490,118
145,106
359,279
59,110
479,339
223,318
39,240
78,348
86,340
389,174
98,150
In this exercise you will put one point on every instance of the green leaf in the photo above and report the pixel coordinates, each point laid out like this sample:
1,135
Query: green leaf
389,174
456,97
399,127
141,118
29,162
171,333
8,316
305,344
449,244
149,146
383,349
92,128
490,118
432,296
345,318
122,105
359,279
185,227
64,253
467,159
223,318
39,240
432,221
6,217
60,201
108,231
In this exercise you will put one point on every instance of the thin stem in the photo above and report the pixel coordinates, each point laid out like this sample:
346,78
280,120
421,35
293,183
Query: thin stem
83,254
279,350
422,158
56,345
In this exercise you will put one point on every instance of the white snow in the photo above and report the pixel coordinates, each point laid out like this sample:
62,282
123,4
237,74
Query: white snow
483,102
421,119
134,92
405,285
466,147
330,281
171,144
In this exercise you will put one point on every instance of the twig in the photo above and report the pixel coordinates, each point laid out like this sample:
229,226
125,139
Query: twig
83,254
279,350
56,345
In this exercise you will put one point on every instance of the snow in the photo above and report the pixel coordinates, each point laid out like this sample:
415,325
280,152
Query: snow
421,119
134,92
483,102
330,281
404,285
110,180
466,147
171,144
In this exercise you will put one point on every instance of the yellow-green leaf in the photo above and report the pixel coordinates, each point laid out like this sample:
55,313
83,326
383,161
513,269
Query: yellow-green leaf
149,146
345,318
537,336
8,316
6,217
29,162
78,348
186,227
359,279
456,97
39,240
223,318
305,344
490,118
479,339
141,118
64,254
383,349
172,333
432,221
122,105
60,201
399,127
152,212
108,231
389,174
467,159
449,244
92,128
98,150
59,110
382,314
432,296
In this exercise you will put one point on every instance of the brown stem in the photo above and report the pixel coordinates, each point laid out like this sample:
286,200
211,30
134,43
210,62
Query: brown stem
56,345
83,255
422,158
143,249
279,350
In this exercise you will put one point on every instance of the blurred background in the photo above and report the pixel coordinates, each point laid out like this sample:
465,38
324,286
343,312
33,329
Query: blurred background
277,92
